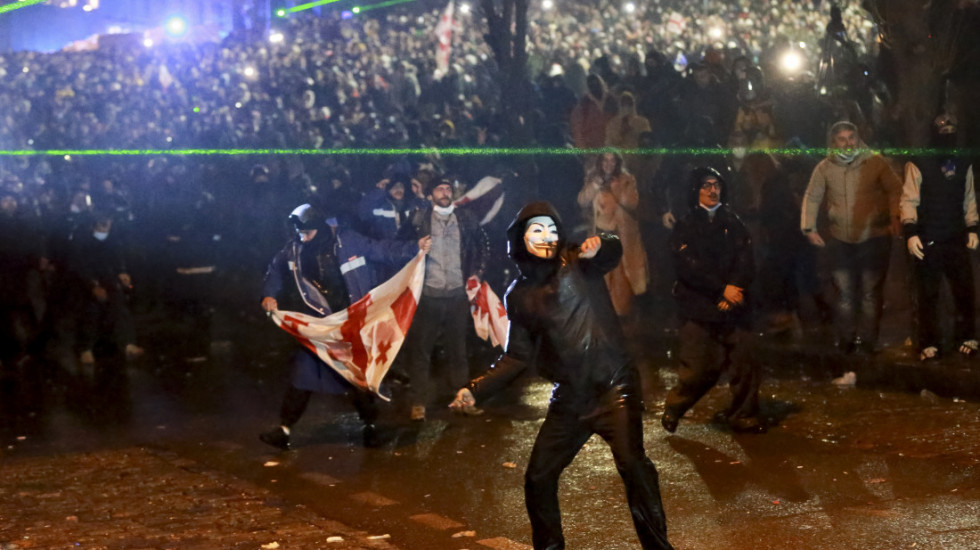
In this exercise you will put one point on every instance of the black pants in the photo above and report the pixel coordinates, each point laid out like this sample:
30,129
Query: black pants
560,439
706,351
949,260
444,320
295,401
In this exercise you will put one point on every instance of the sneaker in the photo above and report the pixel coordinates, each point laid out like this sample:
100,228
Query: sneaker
418,413
133,351
848,379
87,358
276,438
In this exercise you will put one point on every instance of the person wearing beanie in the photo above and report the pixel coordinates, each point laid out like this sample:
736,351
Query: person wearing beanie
939,221
562,322
713,260
861,193
384,209
323,269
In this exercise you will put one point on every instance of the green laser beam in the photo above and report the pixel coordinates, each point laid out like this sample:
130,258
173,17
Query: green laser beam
470,151
359,9
310,5
18,5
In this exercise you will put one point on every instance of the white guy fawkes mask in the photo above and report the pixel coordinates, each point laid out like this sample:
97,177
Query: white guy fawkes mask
541,237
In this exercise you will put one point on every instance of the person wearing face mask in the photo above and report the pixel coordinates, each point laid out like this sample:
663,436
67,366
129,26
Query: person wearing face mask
97,266
939,221
459,250
861,193
562,323
323,269
712,253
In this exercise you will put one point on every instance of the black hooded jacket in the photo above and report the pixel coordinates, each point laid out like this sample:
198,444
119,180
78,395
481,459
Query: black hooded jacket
710,253
562,320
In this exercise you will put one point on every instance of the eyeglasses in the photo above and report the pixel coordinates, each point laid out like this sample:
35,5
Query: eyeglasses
713,184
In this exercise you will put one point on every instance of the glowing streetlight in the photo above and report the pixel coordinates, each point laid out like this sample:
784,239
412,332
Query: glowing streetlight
464,8
176,26
148,42
276,37
629,7
791,62
547,4
249,72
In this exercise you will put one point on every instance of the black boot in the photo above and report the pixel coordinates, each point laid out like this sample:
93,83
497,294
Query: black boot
277,438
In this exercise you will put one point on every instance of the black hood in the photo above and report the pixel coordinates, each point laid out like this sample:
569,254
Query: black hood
515,235
697,178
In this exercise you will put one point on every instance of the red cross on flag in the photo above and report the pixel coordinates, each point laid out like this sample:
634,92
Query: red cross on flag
489,315
444,33
361,342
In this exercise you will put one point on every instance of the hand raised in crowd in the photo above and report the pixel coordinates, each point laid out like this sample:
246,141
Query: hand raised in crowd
915,247
972,240
425,244
815,239
590,247
269,304
382,184
126,281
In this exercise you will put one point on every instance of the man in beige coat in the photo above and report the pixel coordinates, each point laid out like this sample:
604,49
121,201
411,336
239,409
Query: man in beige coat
861,193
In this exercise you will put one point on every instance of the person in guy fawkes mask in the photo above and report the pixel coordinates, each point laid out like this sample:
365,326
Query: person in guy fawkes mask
939,221
712,254
323,269
563,322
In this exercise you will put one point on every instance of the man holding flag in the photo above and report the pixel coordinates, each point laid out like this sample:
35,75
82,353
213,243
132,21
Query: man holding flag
320,273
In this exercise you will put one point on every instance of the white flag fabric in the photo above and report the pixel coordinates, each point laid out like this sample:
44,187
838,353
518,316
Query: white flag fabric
444,34
489,315
485,199
361,342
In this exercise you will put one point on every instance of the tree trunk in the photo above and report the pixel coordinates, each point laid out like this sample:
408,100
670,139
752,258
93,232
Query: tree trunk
922,38
507,37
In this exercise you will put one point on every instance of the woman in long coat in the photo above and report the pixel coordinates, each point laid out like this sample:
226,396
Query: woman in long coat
610,197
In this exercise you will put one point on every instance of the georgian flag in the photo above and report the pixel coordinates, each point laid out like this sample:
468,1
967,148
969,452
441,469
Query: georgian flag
444,34
484,199
489,315
361,342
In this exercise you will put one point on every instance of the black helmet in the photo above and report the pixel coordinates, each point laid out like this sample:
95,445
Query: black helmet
304,218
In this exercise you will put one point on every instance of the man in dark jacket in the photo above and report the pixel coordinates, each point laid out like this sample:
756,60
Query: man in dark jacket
101,281
939,220
712,255
322,270
459,251
562,320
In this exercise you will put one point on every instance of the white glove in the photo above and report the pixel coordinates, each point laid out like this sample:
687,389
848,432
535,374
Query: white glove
972,240
915,246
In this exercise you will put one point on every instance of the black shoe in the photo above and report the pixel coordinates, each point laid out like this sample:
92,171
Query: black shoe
277,438
847,347
863,347
669,422
747,426
370,435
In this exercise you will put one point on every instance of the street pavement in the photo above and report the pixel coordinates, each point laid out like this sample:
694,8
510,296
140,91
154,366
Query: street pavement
162,453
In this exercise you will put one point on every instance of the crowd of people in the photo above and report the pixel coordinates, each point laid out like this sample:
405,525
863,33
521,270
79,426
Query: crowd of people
668,73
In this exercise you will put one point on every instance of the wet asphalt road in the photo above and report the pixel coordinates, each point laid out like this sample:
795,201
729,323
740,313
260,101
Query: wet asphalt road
842,468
